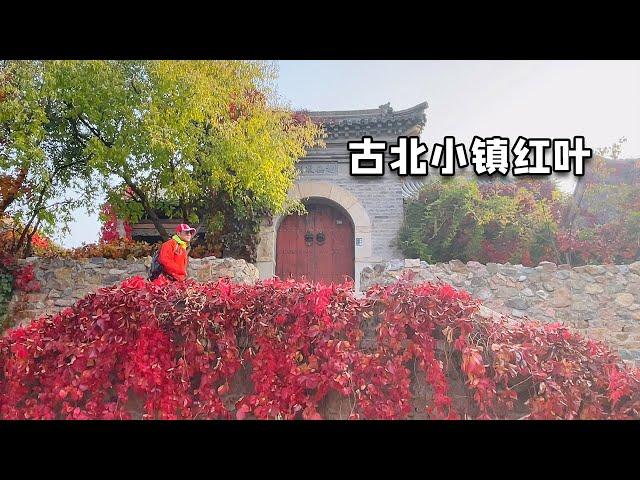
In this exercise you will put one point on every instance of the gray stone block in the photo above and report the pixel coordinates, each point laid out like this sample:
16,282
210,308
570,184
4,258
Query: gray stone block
64,302
518,303
394,264
411,262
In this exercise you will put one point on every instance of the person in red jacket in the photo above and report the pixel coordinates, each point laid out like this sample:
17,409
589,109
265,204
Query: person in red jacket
174,254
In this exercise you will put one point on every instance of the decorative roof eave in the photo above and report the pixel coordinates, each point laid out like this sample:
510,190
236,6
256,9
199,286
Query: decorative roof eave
381,121
411,187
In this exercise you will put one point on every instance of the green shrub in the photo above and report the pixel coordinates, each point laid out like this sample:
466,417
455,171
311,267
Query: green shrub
6,290
494,222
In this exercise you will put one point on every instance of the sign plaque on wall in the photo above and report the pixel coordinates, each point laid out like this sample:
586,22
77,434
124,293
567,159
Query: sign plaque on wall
318,168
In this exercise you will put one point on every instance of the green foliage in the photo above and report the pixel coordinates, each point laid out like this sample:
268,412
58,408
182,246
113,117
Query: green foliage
174,134
45,175
159,138
6,290
442,217
458,219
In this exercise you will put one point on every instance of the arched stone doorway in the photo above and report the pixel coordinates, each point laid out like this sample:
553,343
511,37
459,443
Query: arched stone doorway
317,246
337,196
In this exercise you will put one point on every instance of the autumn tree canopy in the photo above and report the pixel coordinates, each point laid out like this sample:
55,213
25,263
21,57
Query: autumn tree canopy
44,171
159,138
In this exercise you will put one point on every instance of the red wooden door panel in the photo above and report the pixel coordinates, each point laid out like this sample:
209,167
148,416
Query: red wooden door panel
293,257
326,259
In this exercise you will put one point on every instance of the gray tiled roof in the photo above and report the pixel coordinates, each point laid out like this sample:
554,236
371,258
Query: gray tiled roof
379,121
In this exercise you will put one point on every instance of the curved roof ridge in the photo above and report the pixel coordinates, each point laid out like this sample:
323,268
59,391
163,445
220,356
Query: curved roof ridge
382,110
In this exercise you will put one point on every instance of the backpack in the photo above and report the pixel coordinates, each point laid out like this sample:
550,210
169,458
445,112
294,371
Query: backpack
156,267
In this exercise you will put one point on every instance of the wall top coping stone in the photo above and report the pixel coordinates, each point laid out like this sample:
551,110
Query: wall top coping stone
103,260
544,265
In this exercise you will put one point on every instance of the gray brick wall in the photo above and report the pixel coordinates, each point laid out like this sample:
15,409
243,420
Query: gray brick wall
380,196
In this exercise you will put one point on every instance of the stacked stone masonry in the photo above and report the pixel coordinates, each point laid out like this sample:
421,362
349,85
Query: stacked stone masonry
65,281
599,301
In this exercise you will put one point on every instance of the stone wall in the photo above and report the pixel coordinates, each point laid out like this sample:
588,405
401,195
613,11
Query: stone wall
600,301
64,281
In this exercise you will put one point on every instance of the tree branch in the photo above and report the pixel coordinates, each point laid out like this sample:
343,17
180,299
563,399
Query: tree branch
147,207
95,132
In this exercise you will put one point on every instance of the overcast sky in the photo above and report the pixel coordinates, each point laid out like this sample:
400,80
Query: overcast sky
554,99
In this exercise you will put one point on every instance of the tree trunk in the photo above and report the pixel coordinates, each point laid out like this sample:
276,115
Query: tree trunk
23,237
157,223
151,213
28,248
571,212
573,207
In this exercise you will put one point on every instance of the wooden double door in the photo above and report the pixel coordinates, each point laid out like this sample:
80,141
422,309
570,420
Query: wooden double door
318,246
